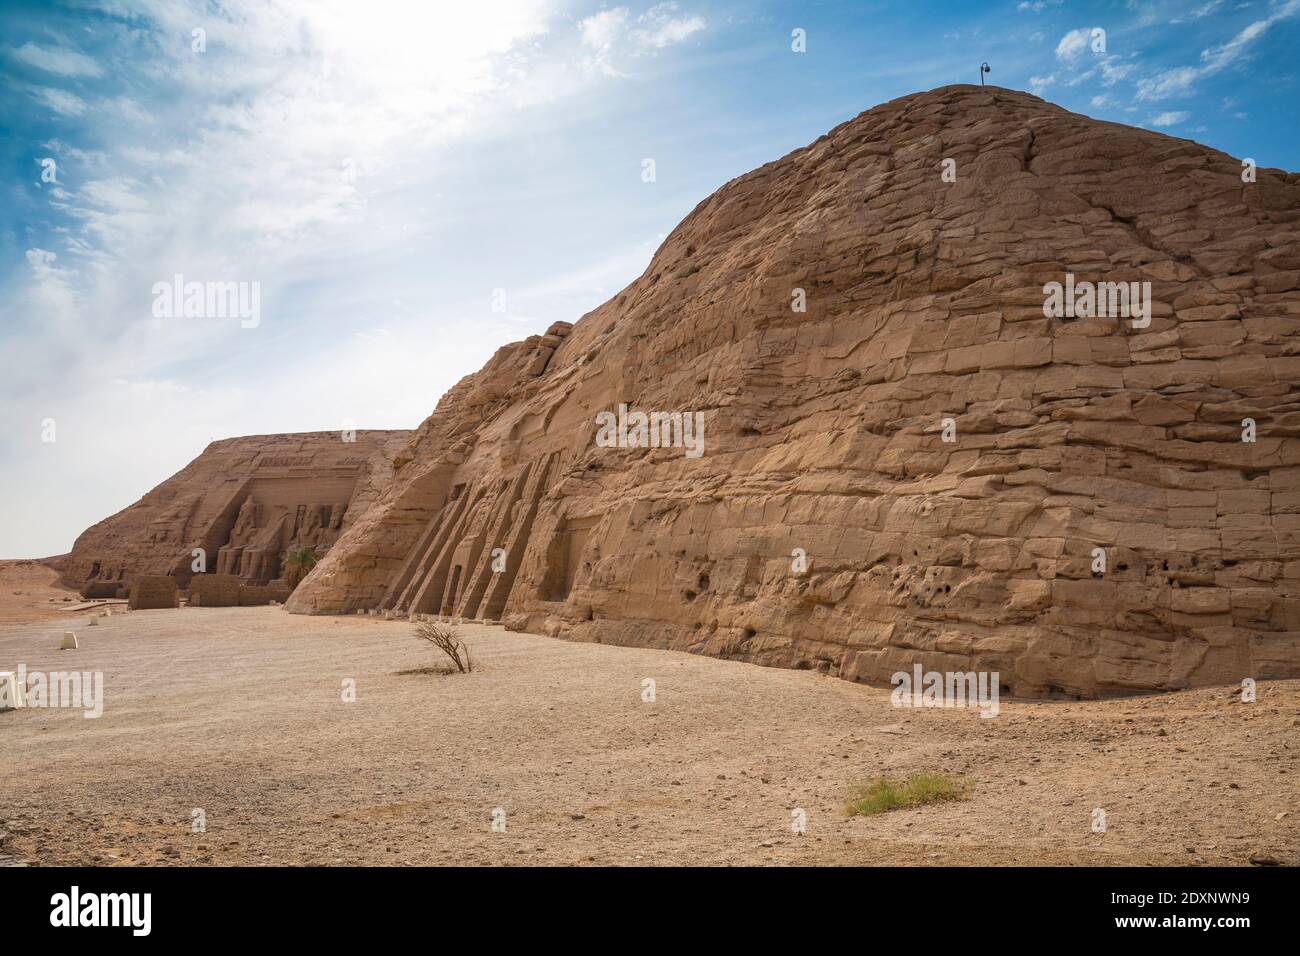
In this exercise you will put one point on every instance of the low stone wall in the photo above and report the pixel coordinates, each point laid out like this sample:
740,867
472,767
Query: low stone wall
151,591
251,595
215,590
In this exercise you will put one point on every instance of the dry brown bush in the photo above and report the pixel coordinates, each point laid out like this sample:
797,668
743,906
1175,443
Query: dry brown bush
448,640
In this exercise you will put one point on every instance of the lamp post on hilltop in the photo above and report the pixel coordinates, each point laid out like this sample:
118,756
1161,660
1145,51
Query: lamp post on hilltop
984,68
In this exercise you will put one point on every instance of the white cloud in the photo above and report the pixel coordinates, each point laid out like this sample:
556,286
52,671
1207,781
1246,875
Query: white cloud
1039,83
114,194
1070,54
306,150
40,258
1216,58
1073,44
662,28
57,60
60,101
52,299
1168,118
125,108
1180,81
600,33
1167,84
1112,70
1199,12
67,151
612,36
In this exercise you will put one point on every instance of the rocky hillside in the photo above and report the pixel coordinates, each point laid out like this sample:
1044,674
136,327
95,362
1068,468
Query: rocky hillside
254,494
921,466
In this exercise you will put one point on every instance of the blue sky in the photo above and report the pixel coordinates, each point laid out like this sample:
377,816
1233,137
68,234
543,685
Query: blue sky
385,171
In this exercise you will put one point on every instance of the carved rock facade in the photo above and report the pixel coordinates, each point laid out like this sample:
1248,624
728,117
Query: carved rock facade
829,524
243,502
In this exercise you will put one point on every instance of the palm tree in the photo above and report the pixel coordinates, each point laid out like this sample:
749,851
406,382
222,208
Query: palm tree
297,563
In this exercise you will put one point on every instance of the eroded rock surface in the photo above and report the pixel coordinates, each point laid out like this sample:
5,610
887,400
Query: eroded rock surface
825,433
244,501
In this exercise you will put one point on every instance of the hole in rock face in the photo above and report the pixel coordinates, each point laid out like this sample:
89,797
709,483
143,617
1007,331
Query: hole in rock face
748,430
690,595
750,632
704,582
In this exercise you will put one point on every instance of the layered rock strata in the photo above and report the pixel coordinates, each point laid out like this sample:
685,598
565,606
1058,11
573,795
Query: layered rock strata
907,456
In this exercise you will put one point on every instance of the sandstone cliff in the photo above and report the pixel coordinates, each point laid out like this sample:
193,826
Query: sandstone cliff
243,502
920,467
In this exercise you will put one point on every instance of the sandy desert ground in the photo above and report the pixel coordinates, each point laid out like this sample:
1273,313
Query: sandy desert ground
239,712
30,591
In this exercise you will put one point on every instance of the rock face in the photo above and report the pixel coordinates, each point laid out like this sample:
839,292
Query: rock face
244,501
919,467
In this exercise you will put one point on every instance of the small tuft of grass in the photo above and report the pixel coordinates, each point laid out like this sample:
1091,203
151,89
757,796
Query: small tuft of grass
442,670
917,790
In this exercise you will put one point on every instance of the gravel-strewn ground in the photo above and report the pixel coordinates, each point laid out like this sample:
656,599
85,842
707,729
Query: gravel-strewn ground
239,712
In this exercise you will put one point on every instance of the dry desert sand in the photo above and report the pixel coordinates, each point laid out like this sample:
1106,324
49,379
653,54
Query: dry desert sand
239,712
30,591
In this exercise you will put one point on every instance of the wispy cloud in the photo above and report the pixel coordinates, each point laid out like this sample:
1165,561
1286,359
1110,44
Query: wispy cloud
601,32
660,26
1200,12
1081,56
1113,70
614,36
307,149
1168,118
58,60
1073,44
1181,80
60,101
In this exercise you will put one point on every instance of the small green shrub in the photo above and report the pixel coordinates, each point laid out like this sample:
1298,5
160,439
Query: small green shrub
917,790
